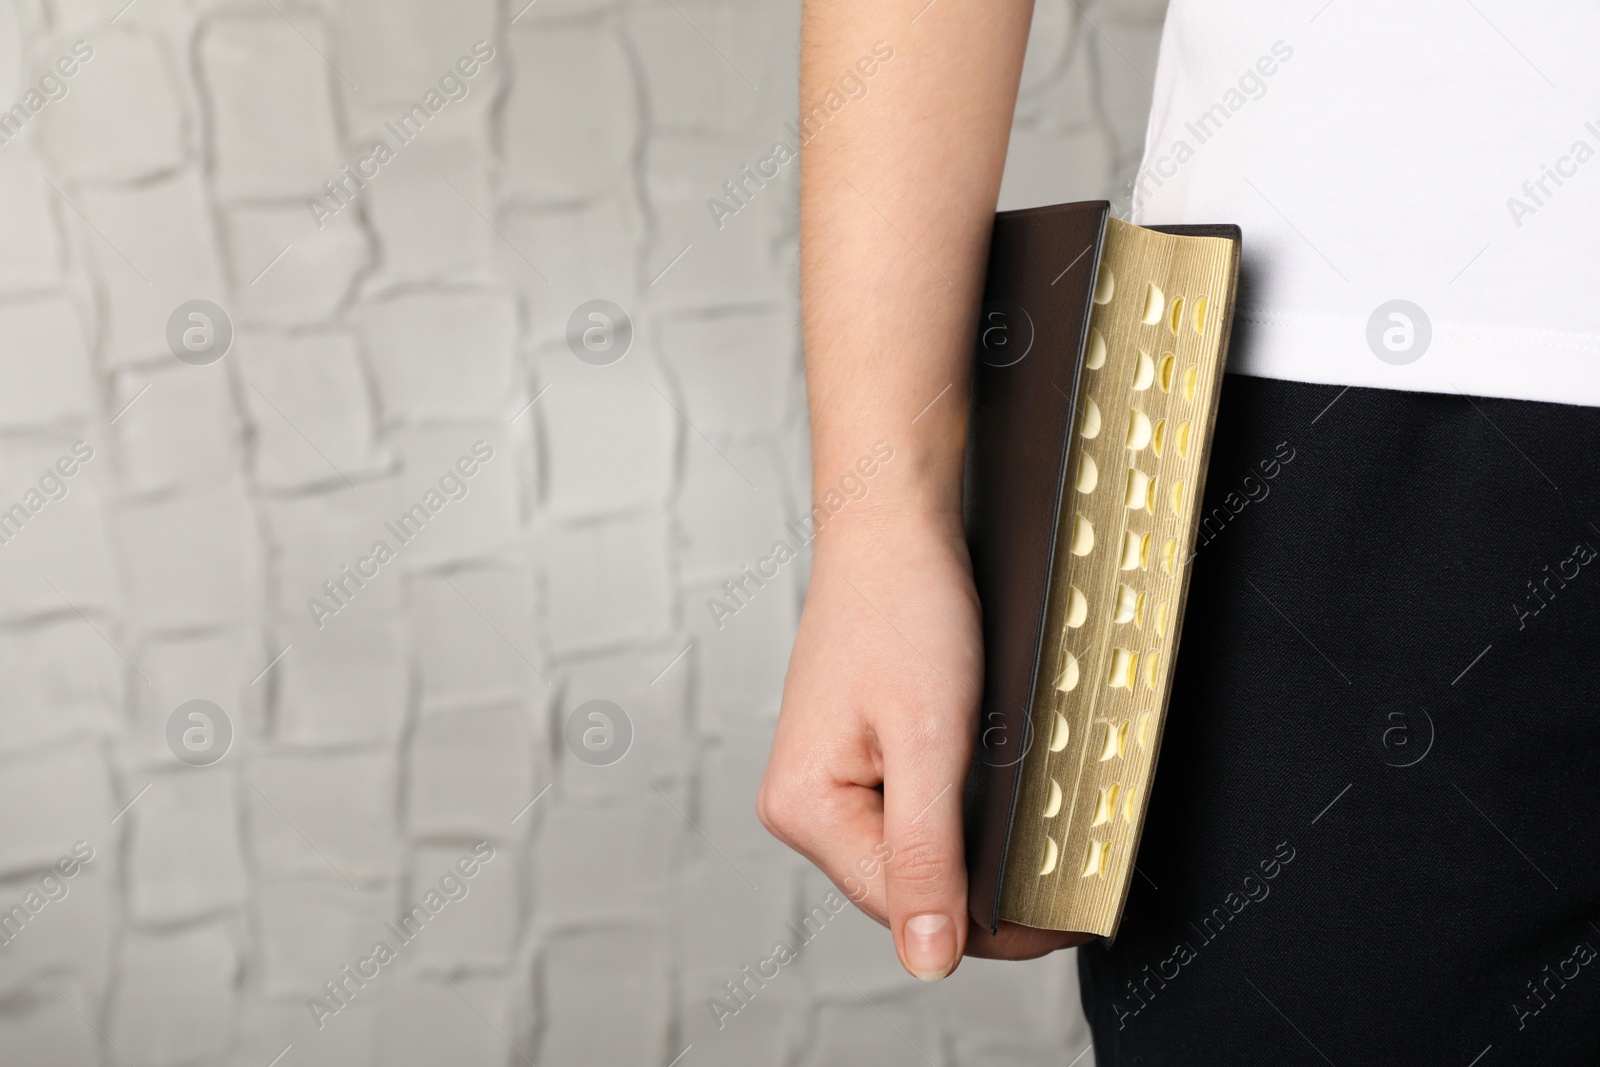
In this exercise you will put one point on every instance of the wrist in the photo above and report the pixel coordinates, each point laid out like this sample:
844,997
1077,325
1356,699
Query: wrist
884,488
882,523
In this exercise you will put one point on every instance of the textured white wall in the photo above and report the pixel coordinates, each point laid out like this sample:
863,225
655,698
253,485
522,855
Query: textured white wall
373,346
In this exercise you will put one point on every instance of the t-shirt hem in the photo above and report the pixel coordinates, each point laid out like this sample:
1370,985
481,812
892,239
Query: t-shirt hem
1467,359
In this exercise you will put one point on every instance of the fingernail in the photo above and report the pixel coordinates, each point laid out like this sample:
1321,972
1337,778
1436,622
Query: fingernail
930,946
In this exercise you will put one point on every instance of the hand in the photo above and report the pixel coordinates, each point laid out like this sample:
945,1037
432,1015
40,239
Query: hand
870,760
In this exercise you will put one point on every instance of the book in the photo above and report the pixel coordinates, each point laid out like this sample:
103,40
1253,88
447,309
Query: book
1098,363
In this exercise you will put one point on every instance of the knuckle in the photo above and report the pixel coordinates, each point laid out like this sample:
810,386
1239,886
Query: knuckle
778,807
923,862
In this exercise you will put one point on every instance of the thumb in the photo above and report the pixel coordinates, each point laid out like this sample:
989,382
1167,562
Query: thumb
925,881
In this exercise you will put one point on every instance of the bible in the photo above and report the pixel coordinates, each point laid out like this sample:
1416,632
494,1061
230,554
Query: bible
1098,363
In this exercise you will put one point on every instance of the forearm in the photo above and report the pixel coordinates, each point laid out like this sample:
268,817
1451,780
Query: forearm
897,199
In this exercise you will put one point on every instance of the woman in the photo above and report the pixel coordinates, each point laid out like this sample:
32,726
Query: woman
1386,691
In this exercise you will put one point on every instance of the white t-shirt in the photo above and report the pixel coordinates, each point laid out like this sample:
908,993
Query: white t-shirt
1445,153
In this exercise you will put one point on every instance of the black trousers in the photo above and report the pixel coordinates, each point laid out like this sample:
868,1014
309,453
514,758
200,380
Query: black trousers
1374,834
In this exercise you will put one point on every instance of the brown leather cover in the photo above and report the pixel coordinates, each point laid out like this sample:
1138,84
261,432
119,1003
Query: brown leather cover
1042,265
